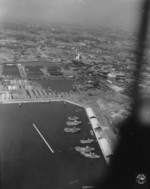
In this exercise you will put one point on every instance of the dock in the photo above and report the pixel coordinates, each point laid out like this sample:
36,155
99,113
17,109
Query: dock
43,138
103,142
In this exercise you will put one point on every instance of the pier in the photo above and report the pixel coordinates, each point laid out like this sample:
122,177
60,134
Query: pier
43,138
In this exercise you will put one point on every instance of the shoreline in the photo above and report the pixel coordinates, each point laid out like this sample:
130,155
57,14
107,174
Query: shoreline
102,141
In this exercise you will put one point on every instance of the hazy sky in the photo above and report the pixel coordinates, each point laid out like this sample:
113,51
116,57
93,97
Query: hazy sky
123,13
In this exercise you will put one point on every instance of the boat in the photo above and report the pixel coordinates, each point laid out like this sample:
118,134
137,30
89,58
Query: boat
92,133
73,123
20,105
84,149
72,130
86,141
65,103
90,155
78,110
73,182
87,187
73,118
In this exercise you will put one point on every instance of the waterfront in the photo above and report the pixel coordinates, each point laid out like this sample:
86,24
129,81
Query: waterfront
26,160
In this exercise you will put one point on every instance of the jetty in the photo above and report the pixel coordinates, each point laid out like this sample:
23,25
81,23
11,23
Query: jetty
43,138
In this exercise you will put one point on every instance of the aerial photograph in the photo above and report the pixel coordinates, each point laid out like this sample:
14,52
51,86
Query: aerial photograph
66,85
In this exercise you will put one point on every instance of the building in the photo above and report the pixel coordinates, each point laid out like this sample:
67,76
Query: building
78,57
90,113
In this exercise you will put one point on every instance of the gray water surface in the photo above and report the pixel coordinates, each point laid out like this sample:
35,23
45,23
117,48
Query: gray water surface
26,161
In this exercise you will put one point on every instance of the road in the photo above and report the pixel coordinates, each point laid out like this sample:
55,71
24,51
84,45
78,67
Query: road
39,50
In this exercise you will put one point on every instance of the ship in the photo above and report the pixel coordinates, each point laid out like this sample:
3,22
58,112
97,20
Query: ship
75,118
90,155
86,141
84,149
72,130
73,123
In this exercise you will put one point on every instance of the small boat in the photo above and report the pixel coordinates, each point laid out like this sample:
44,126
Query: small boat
84,149
75,118
65,103
78,110
87,187
73,182
72,130
86,141
20,105
92,133
73,123
90,155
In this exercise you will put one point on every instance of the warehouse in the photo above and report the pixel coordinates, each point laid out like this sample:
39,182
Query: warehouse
90,113
106,149
95,123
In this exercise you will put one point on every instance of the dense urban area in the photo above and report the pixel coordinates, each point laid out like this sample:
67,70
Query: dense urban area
93,68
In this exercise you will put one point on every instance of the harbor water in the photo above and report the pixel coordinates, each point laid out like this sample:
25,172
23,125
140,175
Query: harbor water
26,160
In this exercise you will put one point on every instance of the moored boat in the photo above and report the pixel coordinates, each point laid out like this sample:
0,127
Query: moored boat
84,149
78,110
90,155
72,130
20,105
92,133
87,187
65,103
73,118
73,123
86,141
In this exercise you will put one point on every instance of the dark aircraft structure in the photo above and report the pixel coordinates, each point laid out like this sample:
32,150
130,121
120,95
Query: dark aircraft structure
130,166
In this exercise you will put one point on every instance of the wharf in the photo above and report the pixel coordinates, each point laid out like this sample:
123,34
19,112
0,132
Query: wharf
14,101
102,141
